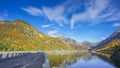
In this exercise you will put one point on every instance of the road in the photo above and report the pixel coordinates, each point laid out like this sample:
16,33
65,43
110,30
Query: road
28,60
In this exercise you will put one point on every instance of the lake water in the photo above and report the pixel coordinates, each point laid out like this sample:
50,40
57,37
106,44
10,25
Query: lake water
75,60
80,60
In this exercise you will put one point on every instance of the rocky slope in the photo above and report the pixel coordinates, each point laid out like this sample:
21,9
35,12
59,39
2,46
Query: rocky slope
71,42
89,44
21,36
109,43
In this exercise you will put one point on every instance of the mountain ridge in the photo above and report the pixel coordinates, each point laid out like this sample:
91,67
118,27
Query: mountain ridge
71,42
89,44
109,43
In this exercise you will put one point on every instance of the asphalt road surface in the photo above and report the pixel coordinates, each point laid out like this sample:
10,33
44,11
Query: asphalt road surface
29,60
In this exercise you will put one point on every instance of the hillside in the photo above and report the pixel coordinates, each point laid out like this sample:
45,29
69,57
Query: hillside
110,43
21,36
71,42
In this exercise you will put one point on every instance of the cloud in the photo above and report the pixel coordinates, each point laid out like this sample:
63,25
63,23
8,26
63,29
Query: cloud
48,25
58,13
114,17
96,11
55,14
94,8
3,15
116,24
53,32
77,11
33,11
72,6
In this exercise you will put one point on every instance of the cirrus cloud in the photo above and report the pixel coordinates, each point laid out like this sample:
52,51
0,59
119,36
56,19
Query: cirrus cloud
55,14
3,15
93,12
33,11
116,24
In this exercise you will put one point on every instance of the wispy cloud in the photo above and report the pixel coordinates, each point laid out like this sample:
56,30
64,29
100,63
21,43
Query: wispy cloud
55,14
97,11
114,17
53,32
116,24
3,15
33,11
93,11
47,25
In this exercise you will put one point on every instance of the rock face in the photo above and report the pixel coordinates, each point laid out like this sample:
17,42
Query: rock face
28,60
71,42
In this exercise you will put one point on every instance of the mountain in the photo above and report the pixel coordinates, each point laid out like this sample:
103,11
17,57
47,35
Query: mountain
20,36
109,43
71,42
89,44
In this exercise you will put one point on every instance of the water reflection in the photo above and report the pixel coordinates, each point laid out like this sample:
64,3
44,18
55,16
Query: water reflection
80,60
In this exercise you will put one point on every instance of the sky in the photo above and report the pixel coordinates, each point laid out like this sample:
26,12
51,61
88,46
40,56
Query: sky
90,20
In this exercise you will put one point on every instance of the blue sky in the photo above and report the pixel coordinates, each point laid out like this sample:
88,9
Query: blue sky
91,20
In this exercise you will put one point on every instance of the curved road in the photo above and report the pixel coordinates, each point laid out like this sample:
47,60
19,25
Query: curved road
29,60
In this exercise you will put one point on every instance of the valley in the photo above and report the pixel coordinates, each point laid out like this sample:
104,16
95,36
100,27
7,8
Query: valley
18,36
